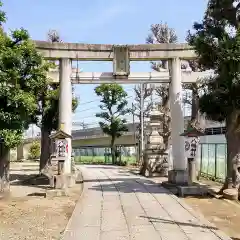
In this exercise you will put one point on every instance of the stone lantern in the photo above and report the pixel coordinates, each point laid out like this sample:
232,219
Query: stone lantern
55,169
154,156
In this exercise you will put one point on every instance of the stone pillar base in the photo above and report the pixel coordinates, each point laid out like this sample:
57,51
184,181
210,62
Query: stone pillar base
70,180
62,181
178,177
21,160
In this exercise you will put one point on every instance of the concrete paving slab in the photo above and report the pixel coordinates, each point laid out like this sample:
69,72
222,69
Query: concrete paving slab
113,221
144,232
115,235
84,233
123,206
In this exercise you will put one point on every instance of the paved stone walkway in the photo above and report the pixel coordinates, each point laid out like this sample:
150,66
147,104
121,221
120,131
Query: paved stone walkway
117,205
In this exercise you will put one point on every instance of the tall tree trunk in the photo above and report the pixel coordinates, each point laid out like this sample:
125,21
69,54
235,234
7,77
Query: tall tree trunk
143,160
4,170
113,150
233,150
144,166
167,122
45,147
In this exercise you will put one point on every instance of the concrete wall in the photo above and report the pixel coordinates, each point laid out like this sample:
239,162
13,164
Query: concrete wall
124,140
213,139
103,141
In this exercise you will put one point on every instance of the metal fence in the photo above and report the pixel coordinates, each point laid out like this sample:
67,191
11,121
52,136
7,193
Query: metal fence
213,160
95,155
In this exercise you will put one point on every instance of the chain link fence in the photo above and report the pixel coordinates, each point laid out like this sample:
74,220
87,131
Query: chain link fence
212,158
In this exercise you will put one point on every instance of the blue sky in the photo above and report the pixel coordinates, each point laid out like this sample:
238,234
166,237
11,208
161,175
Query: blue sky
101,21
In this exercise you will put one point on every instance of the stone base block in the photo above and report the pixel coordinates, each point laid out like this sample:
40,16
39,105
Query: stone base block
196,189
230,194
70,180
178,177
192,190
57,193
64,181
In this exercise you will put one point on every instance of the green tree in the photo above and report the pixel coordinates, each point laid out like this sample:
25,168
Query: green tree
48,110
23,75
216,40
34,150
114,107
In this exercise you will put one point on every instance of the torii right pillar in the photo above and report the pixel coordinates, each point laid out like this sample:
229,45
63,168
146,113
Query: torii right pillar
179,174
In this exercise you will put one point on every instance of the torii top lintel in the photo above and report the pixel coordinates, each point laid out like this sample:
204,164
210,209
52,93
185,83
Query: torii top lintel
104,52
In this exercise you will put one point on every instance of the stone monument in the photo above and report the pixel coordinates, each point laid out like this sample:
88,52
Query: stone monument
55,170
155,155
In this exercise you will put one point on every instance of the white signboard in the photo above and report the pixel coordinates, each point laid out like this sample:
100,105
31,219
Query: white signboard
121,64
61,148
191,144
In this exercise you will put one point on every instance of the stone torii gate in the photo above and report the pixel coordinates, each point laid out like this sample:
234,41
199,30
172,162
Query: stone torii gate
121,55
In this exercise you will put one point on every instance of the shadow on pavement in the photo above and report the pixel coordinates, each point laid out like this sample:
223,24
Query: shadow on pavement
23,170
21,176
31,180
154,219
107,166
131,185
127,185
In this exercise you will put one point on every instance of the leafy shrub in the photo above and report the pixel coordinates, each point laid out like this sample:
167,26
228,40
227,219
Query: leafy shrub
34,151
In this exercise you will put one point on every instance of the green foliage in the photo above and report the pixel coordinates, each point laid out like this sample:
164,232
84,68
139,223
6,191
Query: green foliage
23,75
2,15
217,43
11,137
114,106
34,150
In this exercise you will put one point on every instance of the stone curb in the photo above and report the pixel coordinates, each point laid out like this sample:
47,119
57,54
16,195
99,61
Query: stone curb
80,197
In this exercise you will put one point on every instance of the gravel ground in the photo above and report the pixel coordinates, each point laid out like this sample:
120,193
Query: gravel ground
224,214
34,217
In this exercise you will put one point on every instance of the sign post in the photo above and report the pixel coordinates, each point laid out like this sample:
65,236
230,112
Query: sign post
121,62
192,139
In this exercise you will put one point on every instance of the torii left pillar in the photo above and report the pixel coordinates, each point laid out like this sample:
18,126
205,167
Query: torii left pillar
65,106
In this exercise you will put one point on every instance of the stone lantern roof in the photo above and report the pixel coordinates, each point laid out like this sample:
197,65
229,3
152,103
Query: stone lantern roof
192,132
60,135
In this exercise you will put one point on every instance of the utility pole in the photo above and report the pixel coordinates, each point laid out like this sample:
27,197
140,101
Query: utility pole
134,130
141,120
83,125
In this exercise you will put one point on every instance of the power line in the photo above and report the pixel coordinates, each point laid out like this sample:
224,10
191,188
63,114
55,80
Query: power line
88,117
84,110
97,100
87,109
